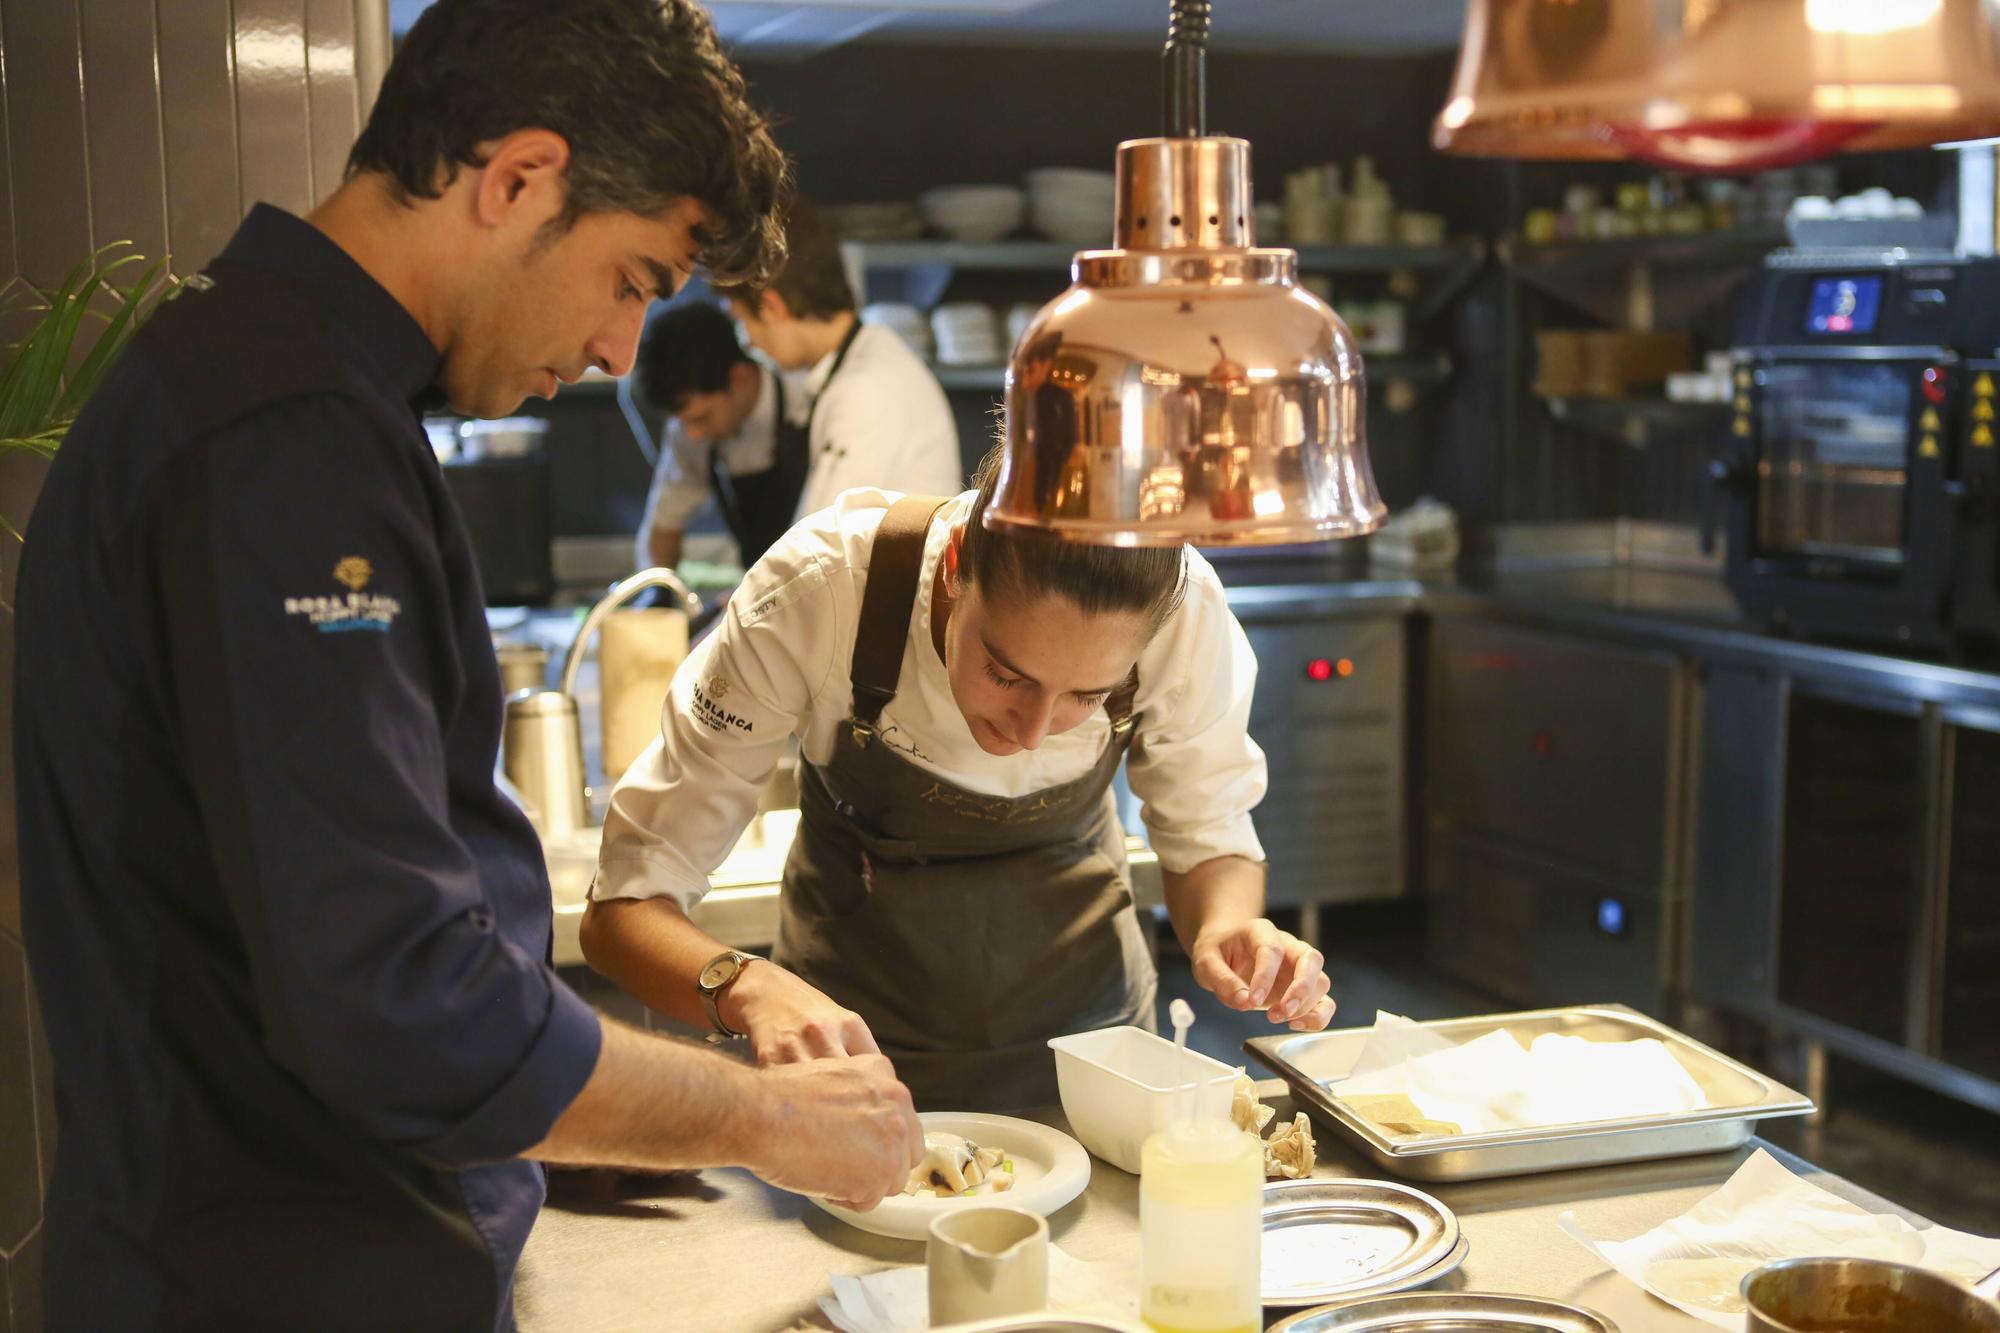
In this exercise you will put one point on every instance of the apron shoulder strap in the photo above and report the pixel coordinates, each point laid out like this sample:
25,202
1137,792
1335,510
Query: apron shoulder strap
895,563
1118,704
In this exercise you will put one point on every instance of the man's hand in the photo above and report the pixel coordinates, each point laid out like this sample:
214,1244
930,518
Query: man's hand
841,1129
1252,963
788,1020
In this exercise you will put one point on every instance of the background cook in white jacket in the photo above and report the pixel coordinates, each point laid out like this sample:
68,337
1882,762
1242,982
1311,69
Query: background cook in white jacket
877,416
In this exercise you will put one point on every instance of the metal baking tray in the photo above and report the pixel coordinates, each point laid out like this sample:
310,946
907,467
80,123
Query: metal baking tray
1449,1312
1332,1240
1738,1097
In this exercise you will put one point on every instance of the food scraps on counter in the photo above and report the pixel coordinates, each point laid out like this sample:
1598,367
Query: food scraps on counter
1289,1152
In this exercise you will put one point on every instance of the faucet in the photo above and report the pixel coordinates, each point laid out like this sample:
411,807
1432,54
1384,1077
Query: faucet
622,592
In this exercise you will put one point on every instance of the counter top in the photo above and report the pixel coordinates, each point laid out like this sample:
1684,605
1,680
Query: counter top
720,1250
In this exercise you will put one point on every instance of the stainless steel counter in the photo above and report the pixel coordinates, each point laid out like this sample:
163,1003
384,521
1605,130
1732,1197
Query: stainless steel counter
722,1251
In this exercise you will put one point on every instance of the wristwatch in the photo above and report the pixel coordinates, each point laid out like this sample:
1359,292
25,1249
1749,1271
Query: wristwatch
717,975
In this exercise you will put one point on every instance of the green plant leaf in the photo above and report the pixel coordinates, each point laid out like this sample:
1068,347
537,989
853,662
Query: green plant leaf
39,396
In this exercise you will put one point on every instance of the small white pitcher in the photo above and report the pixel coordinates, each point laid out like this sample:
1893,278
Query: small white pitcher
987,1262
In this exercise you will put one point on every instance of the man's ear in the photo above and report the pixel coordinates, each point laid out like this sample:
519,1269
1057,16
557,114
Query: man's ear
773,308
522,179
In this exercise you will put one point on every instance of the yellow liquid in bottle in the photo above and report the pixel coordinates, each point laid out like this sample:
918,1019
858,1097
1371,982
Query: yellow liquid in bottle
1201,1227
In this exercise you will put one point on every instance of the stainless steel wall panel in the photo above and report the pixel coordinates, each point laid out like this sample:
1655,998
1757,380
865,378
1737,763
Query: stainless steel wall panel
198,123
121,78
1733,894
333,94
1333,823
46,136
273,134
1556,745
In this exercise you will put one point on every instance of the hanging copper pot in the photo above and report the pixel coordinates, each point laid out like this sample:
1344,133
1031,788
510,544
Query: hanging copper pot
1720,85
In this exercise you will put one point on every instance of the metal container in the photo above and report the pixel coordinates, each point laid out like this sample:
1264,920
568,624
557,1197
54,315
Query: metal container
1338,1240
1861,1296
523,666
543,746
1738,1097
1449,1312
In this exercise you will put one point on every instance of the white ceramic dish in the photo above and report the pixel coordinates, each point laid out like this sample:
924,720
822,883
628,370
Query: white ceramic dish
1050,1169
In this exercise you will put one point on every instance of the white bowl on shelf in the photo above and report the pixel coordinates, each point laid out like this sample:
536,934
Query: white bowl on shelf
974,213
1084,182
1074,223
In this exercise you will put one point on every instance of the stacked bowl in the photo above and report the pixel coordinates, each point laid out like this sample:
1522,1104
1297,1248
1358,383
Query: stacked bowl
905,321
973,213
968,334
1071,204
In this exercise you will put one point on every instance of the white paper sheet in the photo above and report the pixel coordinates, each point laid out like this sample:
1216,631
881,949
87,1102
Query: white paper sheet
897,1300
1494,1083
1695,1262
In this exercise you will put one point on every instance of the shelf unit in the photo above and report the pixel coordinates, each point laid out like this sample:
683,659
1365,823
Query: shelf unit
1640,282
1380,369
1636,421
1442,270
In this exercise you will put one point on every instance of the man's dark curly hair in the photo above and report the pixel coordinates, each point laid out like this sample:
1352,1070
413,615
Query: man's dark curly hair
651,108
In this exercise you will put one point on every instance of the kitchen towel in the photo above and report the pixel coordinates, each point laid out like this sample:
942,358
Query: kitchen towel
1696,1262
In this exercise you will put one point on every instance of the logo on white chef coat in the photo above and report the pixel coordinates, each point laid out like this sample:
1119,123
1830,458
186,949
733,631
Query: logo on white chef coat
708,709
358,609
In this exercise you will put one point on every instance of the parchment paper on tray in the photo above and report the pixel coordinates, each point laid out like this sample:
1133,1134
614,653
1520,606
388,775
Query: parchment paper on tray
1695,1262
1414,1082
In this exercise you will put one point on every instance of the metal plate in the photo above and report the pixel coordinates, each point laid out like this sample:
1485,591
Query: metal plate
1449,1312
1738,1096
1327,1240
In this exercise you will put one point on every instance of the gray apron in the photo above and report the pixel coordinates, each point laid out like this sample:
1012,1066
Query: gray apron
965,929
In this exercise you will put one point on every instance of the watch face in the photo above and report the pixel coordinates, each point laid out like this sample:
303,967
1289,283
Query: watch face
717,973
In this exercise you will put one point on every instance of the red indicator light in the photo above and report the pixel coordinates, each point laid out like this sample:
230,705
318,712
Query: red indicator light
1933,386
1319,669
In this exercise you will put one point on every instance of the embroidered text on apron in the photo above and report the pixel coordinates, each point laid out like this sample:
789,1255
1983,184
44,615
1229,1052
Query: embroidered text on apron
965,929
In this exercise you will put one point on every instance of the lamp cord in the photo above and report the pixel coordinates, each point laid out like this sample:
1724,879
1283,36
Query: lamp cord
1184,95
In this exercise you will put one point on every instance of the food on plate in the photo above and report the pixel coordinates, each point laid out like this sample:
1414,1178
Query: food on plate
1395,1112
1249,1114
955,1167
1289,1150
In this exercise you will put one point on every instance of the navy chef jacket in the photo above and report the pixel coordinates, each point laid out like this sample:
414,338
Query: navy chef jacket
292,943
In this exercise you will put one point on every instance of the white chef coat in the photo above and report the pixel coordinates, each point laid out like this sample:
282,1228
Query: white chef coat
882,421
681,480
777,666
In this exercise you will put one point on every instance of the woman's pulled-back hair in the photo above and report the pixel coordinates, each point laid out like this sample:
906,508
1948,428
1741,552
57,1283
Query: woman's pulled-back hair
1146,580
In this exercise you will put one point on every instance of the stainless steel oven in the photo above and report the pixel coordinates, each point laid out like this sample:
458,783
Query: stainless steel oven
1862,402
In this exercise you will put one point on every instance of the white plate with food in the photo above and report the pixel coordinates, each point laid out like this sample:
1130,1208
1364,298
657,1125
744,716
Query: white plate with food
973,1158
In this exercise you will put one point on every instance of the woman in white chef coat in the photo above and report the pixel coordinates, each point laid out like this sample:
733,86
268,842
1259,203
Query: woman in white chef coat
957,891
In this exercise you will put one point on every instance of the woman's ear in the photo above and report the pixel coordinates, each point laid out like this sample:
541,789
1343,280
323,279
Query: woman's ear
953,545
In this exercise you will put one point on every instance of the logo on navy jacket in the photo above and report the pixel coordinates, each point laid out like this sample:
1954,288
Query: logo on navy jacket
358,609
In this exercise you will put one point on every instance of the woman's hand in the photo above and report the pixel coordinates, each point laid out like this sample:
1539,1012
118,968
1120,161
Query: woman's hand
788,1020
1252,964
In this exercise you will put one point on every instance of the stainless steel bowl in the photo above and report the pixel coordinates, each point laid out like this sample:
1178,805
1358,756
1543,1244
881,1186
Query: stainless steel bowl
1861,1296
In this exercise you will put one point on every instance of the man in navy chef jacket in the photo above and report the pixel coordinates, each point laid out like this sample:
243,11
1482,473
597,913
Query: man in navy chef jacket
292,944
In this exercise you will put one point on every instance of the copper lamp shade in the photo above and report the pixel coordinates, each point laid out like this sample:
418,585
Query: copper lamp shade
1721,85
1185,388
